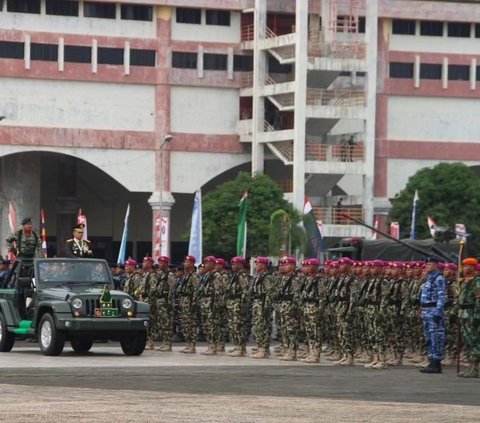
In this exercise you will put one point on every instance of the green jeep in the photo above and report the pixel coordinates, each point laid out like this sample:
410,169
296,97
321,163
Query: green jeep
55,300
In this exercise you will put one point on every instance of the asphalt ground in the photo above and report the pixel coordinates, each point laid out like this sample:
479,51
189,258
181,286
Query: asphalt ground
179,387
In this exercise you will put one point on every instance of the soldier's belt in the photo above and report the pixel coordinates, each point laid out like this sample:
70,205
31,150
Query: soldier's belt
310,301
466,306
234,297
259,296
184,294
286,298
426,305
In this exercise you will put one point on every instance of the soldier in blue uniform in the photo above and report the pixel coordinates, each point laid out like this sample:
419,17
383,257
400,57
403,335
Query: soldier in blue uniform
432,303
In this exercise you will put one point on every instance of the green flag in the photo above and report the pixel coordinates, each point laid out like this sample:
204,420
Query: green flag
242,227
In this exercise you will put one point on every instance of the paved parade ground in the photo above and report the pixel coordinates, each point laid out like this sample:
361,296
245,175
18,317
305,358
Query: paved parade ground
106,386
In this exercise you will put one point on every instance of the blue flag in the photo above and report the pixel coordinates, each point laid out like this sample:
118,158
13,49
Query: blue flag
414,215
195,244
123,244
315,239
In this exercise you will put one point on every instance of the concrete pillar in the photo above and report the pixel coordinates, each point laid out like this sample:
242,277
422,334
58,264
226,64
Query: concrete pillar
371,38
301,61
259,71
327,33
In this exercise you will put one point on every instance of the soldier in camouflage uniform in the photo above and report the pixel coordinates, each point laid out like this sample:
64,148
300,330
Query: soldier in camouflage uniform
333,277
289,297
223,275
209,292
469,316
133,282
451,314
165,304
26,245
149,295
236,296
362,320
312,290
187,293
261,291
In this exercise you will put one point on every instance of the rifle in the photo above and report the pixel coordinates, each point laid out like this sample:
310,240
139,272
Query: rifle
459,282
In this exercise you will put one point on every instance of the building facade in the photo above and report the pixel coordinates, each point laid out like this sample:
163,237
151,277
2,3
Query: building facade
338,100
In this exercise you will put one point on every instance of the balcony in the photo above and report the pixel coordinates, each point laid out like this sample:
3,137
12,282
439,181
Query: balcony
337,153
336,104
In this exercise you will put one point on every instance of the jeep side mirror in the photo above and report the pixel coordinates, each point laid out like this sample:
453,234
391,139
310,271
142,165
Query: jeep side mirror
24,283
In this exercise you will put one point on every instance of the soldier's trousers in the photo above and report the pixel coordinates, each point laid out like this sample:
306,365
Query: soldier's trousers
346,331
237,321
471,337
289,323
164,320
451,324
188,320
152,323
210,322
262,323
435,336
312,325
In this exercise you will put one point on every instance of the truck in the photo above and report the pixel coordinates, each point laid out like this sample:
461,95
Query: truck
56,300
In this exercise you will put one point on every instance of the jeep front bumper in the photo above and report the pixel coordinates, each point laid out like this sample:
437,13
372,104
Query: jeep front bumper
100,324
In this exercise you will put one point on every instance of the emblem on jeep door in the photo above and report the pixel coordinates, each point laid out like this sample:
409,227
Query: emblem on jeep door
106,309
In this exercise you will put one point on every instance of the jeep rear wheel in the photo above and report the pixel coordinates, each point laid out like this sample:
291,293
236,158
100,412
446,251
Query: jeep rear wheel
50,339
7,339
134,345
81,345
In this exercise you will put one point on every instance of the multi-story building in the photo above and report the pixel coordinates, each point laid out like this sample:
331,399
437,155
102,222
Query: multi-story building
338,100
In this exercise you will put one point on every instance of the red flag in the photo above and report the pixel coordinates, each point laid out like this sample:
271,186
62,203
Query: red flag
157,237
12,218
43,232
395,230
82,220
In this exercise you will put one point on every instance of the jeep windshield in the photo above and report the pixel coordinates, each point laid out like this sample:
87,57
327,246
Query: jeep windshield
73,271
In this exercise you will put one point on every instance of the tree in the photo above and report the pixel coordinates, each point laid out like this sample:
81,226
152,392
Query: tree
220,215
449,193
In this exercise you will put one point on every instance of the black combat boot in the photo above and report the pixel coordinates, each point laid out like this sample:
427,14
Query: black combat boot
435,366
428,368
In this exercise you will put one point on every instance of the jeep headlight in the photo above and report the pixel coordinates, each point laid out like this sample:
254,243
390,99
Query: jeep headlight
77,303
127,303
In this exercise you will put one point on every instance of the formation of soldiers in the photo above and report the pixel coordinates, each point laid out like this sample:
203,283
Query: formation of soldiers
367,312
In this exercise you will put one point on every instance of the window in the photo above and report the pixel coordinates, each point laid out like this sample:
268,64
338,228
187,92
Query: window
99,10
214,61
62,7
403,26
401,70
243,63
361,24
477,30
188,15
459,29
11,50
77,54
142,57
459,73
110,56
23,6
48,52
137,13
184,60
430,71
431,28
478,73
218,17
1,4
275,67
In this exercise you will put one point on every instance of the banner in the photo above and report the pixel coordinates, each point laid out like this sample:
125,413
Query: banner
164,231
157,237
242,226
43,232
375,225
12,218
431,226
461,231
123,243
414,215
195,243
313,229
395,230
82,220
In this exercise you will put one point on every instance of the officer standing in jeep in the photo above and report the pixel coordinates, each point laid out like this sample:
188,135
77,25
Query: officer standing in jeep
77,246
26,245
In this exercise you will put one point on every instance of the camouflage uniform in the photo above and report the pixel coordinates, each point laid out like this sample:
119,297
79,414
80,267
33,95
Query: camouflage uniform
451,319
187,294
149,294
164,307
289,297
209,300
26,247
261,292
345,317
133,284
236,293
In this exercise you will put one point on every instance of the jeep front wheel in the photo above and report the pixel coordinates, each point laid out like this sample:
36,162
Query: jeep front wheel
81,345
7,339
51,339
134,345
